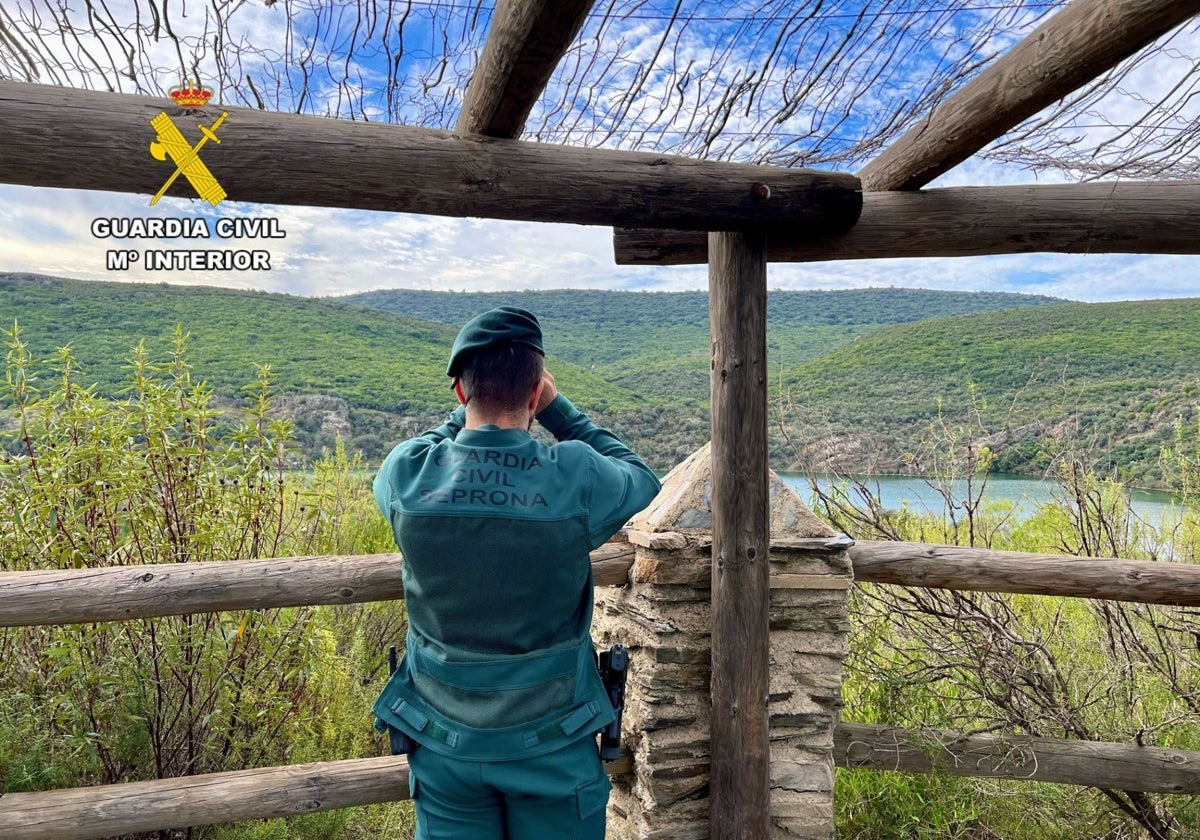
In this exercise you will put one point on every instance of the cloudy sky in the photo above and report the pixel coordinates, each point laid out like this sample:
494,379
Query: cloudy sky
332,252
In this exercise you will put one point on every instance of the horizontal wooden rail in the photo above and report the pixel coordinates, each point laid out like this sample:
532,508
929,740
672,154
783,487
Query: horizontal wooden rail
276,158
984,570
1087,763
116,593
108,810
104,811
1148,217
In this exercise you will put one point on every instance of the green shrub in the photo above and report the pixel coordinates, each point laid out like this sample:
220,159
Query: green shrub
1035,665
160,476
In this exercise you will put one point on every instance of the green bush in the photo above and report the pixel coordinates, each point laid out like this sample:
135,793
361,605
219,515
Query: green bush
1042,666
160,476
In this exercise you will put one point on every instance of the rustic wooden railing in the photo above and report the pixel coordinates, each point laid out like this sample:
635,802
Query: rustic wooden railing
130,592
117,593
1087,763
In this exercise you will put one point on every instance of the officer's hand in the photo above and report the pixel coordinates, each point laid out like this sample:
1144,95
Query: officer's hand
549,391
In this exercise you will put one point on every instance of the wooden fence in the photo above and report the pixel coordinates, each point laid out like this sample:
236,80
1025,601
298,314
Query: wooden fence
131,592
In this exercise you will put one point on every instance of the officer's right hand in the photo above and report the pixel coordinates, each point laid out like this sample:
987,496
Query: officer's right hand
549,392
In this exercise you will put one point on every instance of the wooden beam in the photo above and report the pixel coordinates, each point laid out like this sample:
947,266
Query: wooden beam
740,771
107,810
58,137
118,593
104,811
526,40
983,570
1152,217
265,793
1087,763
1073,47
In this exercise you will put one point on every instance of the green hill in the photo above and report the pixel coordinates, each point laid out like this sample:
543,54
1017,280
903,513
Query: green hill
1108,380
369,375
862,381
657,343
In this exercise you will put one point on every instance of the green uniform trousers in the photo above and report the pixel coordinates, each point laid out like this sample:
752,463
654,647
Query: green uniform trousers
558,796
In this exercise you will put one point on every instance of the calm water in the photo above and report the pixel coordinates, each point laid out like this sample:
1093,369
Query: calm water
1025,493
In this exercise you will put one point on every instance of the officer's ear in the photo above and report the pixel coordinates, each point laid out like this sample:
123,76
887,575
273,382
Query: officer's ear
536,396
458,391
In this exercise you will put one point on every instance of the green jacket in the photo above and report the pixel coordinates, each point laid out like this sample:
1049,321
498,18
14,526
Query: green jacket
496,528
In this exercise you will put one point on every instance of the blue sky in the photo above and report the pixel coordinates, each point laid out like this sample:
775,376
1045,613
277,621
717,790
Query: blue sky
330,252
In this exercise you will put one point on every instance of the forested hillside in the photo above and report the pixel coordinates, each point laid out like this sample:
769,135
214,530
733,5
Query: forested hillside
636,361
657,343
369,376
1106,382
857,384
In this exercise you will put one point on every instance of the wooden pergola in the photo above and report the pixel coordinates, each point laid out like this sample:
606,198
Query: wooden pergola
669,210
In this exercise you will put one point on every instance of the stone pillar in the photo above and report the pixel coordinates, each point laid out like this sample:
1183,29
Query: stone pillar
663,616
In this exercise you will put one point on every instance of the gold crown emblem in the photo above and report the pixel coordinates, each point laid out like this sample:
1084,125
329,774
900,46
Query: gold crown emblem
191,95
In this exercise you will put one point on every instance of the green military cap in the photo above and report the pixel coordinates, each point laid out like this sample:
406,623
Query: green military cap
502,325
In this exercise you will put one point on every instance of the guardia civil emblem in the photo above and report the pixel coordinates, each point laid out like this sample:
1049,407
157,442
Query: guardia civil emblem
186,157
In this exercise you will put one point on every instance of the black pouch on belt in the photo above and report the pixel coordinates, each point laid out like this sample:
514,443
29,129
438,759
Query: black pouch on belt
401,744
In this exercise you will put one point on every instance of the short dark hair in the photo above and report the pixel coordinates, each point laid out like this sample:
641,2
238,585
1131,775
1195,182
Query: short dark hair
501,378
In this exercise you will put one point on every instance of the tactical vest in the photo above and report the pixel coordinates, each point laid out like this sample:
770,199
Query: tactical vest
496,708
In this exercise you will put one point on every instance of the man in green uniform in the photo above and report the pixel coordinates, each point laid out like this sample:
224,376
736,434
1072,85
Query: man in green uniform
498,687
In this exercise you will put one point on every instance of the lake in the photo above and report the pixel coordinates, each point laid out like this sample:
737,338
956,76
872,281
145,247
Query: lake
1026,493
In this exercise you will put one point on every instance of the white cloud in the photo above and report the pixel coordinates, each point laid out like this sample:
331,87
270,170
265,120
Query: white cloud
334,252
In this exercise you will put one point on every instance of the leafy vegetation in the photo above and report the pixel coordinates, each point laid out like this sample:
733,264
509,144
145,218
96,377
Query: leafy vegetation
161,476
638,362
931,660
856,375
384,363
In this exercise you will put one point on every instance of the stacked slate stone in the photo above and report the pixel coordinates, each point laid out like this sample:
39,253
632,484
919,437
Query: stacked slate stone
664,617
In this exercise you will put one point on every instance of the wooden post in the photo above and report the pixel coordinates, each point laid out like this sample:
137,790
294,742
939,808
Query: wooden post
740,767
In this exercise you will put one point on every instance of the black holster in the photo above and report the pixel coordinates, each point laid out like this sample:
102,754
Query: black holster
614,668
